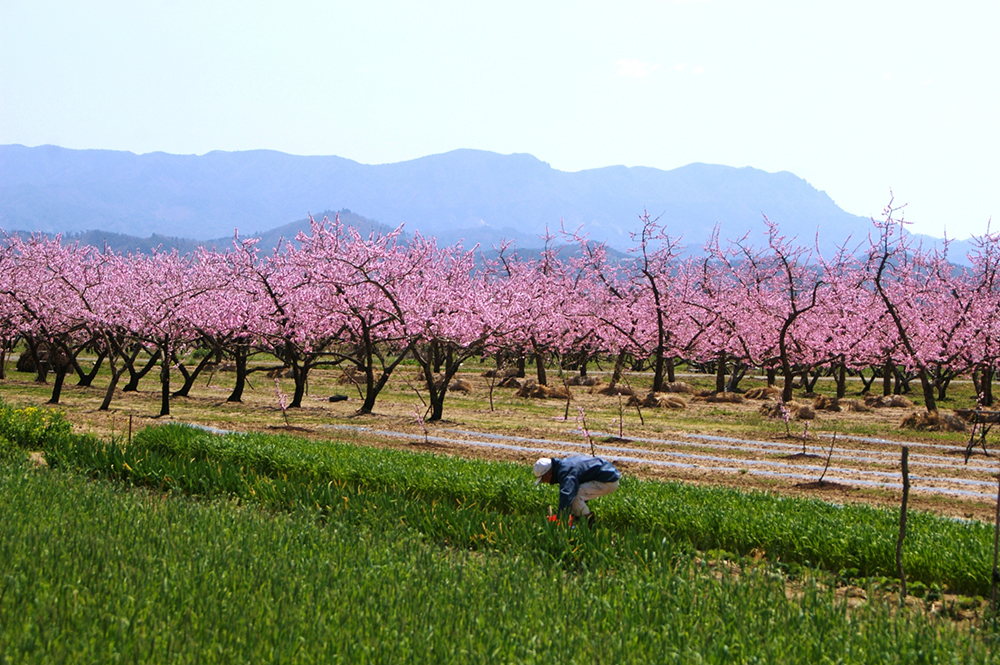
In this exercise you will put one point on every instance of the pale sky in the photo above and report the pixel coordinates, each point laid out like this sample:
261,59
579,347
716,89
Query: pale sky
855,97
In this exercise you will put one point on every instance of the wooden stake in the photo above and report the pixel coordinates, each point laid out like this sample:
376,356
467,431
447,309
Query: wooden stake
828,458
902,525
996,544
621,418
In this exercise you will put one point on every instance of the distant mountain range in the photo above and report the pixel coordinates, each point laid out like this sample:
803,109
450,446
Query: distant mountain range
478,196
124,243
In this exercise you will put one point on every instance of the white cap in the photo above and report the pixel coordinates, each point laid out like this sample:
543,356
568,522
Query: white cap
542,466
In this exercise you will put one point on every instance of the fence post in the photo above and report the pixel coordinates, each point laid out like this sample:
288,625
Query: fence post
996,543
902,525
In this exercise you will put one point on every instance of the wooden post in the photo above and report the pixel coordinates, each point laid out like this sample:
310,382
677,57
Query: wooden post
996,544
902,525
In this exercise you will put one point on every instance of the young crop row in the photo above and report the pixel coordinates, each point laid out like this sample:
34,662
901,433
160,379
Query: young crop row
476,505
98,572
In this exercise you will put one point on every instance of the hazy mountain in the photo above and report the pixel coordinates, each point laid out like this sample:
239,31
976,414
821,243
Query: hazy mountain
122,243
479,196
286,233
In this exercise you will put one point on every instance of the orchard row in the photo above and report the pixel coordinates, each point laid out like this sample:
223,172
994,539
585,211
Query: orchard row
336,298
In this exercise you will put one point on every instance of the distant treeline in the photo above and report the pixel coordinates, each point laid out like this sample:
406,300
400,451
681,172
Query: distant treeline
123,243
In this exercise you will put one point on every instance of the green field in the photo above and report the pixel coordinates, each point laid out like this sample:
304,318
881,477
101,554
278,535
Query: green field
190,547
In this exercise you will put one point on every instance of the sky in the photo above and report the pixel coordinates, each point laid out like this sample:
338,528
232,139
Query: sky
864,100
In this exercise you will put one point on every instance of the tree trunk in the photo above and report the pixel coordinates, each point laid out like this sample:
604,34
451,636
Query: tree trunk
805,381
887,374
810,383
87,379
134,376
772,377
942,388
191,377
787,387
866,385
60,364
430,365
739,371
240,355
369,365
928,388
540,368
658,368
788,377
616,373
370,392
57,387
300,375
164,381
373,387
437,404
986,389
438,360
671,371
109,393
841,371
720,373
41,364
128,365
902,384
437,391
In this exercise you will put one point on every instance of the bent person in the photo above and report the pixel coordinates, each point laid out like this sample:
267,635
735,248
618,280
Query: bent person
580,479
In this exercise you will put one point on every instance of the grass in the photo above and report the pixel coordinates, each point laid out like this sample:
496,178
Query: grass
100,572
296,474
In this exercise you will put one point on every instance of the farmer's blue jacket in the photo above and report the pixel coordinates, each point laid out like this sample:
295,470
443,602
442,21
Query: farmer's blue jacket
573,471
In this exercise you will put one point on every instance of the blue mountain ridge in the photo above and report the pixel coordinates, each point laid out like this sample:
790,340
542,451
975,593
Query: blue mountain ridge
478,196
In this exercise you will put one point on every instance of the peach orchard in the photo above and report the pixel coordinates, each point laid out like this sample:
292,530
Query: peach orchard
881,307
